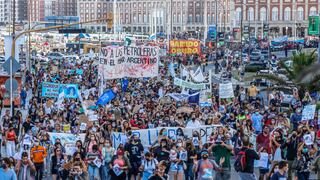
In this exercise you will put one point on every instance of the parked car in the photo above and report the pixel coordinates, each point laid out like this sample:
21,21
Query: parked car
265,55
2,59
255,56
278,47
55,56
255,66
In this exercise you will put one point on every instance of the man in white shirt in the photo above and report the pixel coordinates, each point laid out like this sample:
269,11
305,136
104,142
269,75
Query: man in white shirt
193,122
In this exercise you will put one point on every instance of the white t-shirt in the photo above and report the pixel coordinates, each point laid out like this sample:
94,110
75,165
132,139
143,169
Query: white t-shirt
196,123
149,166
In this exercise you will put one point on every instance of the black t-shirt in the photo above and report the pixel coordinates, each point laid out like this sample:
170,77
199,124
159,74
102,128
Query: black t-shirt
161,155
292,148
191,153
251,155
27,126
157,177
135,151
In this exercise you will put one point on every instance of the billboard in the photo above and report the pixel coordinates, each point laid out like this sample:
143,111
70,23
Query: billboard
184,47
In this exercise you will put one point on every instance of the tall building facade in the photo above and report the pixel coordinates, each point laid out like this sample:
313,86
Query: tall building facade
150,16
39,9
64,8
284,17
6,11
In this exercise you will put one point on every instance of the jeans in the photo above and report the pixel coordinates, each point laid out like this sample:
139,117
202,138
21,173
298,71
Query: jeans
225,174
290,170
93,172
39,170
247,176
146,175
105,172
23,102
10,148
189,175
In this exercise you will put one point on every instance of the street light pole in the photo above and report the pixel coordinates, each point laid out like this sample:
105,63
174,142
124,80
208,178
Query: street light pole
241,31
11,60
216,14
30,31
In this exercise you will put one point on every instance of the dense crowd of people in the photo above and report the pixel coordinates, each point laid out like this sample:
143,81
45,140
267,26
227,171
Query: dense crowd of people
247,128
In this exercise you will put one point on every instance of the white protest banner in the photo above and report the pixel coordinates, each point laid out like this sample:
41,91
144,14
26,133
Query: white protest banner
191,85
184,71
70,148
263,161
181,96
83,126
60,100
148,136
129,61
225,91
308,139
308,112
27,140
205,99
97,162
197,76
66,138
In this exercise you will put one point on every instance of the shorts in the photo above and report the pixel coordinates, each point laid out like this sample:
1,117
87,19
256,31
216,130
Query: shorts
263,171
134,168
176,167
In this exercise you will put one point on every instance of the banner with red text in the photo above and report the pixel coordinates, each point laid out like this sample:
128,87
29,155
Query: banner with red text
129,61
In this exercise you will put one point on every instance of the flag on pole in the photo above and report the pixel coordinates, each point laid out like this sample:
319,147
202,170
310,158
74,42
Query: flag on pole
125,83
60,100
106,97
171,70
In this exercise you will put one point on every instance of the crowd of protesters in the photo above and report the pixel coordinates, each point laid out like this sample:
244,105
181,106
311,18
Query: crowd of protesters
258,128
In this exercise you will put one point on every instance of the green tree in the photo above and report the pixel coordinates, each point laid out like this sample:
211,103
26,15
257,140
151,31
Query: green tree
304,74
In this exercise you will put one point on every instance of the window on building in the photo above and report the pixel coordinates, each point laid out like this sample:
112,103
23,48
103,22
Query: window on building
300,14
213,20
178,18
275,14
250,14
190,18
140,18
198,18
174,18
145,18
127,18
313,11
287,14
263,14
238,14
134,18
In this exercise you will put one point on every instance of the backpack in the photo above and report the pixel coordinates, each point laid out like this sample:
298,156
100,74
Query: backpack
241,161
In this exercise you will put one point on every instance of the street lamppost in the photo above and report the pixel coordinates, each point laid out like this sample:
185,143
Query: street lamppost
30,31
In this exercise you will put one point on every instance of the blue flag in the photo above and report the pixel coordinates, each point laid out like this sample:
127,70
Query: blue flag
171,70
125,83
106,97
194,97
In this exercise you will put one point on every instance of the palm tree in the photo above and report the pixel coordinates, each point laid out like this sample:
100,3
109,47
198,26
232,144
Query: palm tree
304,74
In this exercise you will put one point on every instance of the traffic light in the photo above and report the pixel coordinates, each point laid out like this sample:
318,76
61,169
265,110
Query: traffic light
72,31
